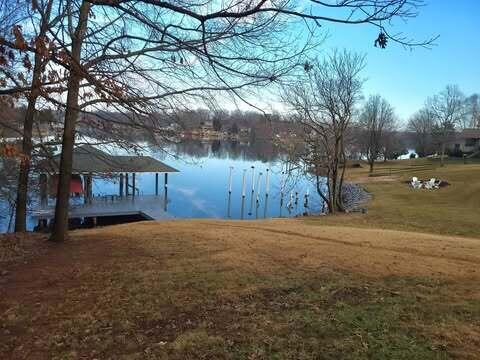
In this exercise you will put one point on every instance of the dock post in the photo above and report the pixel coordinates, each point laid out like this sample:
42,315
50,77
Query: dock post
307,196
165,192
87,188
229,205
253,190
267,182
259,185
43,190
90,188
282,185
243,207
243,192
156,184
253,180
230,180
126,184
243,183
265,208
133,185
120,189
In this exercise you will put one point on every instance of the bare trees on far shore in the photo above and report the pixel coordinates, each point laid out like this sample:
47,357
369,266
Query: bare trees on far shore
421,125
376,123
448,110
434,127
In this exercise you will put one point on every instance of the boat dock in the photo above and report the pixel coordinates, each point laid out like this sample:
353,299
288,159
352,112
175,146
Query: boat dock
127,204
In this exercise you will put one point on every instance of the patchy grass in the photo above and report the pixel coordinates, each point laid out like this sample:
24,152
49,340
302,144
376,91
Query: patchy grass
453,210
20,247
245,290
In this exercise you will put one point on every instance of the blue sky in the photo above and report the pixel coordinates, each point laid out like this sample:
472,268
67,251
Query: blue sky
407,77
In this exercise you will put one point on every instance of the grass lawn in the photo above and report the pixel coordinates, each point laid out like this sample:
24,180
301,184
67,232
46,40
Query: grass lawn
453,210
278,289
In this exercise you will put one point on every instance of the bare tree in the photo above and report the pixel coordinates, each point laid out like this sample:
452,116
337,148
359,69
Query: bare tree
392,143
323,102
71,114
472,104
41,56
421,126
448,112
376,119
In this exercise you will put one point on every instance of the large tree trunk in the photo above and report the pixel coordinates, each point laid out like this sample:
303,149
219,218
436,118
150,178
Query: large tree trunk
22,186
23,175
320,192
63,191
340,204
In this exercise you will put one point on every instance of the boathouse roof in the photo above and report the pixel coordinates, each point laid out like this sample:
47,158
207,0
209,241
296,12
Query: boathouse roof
88,159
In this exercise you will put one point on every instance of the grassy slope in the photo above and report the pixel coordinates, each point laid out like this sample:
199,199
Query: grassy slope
247,290
452,210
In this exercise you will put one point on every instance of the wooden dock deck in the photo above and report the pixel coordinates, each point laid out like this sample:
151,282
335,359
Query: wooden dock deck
149,206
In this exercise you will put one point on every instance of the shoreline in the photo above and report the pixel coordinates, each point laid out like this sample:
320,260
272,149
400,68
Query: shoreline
354,196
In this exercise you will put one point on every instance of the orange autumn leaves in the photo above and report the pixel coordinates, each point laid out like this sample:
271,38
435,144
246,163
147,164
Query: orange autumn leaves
9,150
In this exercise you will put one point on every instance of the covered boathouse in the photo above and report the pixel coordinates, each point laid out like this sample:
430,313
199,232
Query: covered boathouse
128,204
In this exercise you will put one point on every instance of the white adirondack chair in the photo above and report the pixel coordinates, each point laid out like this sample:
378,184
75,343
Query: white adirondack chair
416,184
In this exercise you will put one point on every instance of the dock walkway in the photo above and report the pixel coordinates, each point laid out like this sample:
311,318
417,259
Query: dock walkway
149,206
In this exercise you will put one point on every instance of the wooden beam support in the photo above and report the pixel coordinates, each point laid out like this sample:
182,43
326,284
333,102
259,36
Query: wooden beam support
165,195
120,186
133,185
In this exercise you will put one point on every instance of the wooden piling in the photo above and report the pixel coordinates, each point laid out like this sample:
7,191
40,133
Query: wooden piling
230,180
133,185
267,182
120,185
253,179
258,187
165,195
244,182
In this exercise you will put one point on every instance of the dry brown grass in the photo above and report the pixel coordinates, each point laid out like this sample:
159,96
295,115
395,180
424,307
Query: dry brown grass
255,290
267,245
452,210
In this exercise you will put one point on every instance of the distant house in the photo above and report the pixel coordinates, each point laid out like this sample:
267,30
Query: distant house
467,141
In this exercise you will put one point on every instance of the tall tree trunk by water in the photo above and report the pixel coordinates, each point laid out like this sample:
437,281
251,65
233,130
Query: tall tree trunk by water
63,191
340,204
23,175
24,171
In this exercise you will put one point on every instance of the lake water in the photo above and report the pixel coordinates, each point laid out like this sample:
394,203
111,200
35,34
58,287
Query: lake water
201,187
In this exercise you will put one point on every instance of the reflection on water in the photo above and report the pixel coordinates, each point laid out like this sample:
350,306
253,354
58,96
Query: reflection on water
223,180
